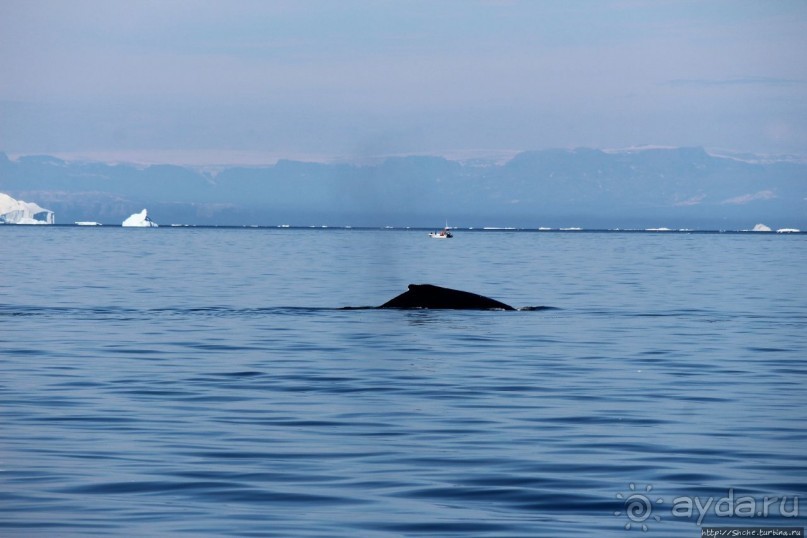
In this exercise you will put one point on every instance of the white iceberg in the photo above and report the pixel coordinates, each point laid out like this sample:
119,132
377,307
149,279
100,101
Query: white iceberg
18,212
761,228
139,220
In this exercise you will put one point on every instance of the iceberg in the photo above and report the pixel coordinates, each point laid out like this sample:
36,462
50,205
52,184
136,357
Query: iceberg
139,220
761,228
18,212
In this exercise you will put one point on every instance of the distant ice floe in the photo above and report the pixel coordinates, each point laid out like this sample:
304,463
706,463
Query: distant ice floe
788,231
87,223
18,212
761,228
139,220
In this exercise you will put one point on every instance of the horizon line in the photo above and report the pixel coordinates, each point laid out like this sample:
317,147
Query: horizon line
209,158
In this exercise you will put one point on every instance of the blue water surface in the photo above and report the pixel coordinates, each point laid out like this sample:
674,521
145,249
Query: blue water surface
206,382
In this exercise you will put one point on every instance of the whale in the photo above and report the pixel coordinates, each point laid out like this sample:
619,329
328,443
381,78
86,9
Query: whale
436,297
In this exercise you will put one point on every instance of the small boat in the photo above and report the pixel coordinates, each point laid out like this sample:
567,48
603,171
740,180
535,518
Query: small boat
445,233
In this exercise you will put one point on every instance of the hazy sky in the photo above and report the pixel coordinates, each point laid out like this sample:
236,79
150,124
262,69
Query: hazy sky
211,80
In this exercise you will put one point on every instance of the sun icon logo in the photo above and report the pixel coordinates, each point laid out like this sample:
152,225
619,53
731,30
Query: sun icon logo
638,507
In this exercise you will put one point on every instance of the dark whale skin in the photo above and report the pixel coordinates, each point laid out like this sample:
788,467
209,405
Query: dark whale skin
436,297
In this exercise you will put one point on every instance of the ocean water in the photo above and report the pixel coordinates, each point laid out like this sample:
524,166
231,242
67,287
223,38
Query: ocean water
205,382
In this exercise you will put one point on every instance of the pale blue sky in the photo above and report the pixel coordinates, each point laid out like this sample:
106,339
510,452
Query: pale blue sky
215,80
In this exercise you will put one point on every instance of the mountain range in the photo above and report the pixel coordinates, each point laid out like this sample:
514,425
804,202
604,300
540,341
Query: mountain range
662,187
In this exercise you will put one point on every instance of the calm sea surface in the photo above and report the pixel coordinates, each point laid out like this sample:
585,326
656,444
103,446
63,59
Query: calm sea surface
204,382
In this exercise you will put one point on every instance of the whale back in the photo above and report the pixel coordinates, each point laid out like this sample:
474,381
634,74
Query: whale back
437,297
